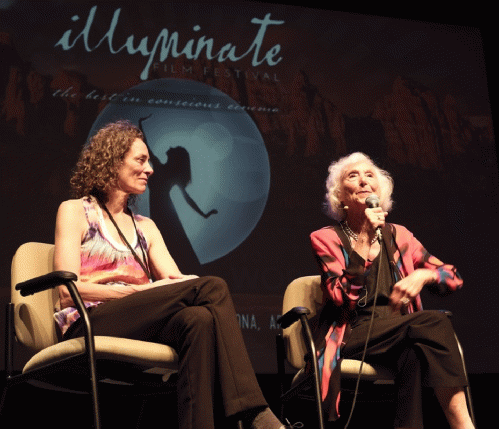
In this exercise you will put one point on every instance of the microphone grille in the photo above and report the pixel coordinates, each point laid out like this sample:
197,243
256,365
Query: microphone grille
372,201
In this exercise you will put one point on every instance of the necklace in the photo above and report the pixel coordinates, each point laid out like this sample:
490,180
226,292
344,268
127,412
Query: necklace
144,264
348,231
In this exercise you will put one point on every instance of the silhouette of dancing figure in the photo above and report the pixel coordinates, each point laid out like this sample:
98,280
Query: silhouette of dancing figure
176,171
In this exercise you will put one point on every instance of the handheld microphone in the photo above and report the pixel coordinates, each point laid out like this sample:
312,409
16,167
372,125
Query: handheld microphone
372,201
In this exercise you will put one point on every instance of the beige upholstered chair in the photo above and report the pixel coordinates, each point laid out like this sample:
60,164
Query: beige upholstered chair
302,298
113,362
306,292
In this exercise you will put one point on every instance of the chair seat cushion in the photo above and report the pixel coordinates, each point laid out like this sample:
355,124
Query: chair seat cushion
350,369
141,353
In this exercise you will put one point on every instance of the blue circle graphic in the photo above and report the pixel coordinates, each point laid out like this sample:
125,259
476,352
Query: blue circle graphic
212,172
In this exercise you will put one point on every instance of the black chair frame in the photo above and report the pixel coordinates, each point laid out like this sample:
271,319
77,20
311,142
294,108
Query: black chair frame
313,380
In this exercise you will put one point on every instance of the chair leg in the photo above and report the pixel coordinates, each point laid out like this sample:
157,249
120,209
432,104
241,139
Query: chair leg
95,408
312,353
470,404
467,389
280,354
2,401
89,347
9,347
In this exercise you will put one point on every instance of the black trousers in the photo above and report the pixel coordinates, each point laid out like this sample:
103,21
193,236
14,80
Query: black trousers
197,318
421,348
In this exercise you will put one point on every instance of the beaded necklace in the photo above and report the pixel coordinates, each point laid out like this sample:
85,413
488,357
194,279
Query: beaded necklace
348,231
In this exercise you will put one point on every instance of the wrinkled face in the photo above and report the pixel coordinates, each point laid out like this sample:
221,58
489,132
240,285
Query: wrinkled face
135,170
359,181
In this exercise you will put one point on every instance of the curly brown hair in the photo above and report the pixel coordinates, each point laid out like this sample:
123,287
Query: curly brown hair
96,171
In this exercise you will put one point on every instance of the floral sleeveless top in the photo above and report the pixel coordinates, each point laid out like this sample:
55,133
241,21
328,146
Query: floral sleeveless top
103,260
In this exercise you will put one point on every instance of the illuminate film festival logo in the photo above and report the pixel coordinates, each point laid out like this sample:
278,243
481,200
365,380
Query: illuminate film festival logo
211,168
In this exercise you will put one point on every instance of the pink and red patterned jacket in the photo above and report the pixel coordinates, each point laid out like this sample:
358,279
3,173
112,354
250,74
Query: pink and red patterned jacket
343,279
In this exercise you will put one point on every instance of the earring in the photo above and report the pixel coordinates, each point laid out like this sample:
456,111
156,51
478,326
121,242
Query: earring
345,209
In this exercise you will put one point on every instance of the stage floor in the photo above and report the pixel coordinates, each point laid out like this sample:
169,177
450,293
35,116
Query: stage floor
32,407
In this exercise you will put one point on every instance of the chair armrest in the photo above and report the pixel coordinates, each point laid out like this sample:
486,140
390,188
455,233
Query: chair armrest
292,316
53,279
47,281
67,278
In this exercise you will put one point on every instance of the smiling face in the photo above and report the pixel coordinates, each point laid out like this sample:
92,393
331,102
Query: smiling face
359,181
135,169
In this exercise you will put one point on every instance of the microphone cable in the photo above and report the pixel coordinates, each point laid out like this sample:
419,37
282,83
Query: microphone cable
371,323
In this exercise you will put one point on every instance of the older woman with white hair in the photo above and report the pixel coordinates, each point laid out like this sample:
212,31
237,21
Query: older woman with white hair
372,275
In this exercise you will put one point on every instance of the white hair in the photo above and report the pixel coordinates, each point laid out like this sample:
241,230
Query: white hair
333,205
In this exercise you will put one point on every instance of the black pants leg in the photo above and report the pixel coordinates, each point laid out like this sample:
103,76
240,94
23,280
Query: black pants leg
191,332
159,315
420,347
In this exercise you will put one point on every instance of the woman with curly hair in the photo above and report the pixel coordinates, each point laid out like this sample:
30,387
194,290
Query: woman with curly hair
373,310
134,289
99,162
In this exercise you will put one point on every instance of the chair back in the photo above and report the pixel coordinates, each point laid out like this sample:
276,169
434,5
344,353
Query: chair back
301,292
33,315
